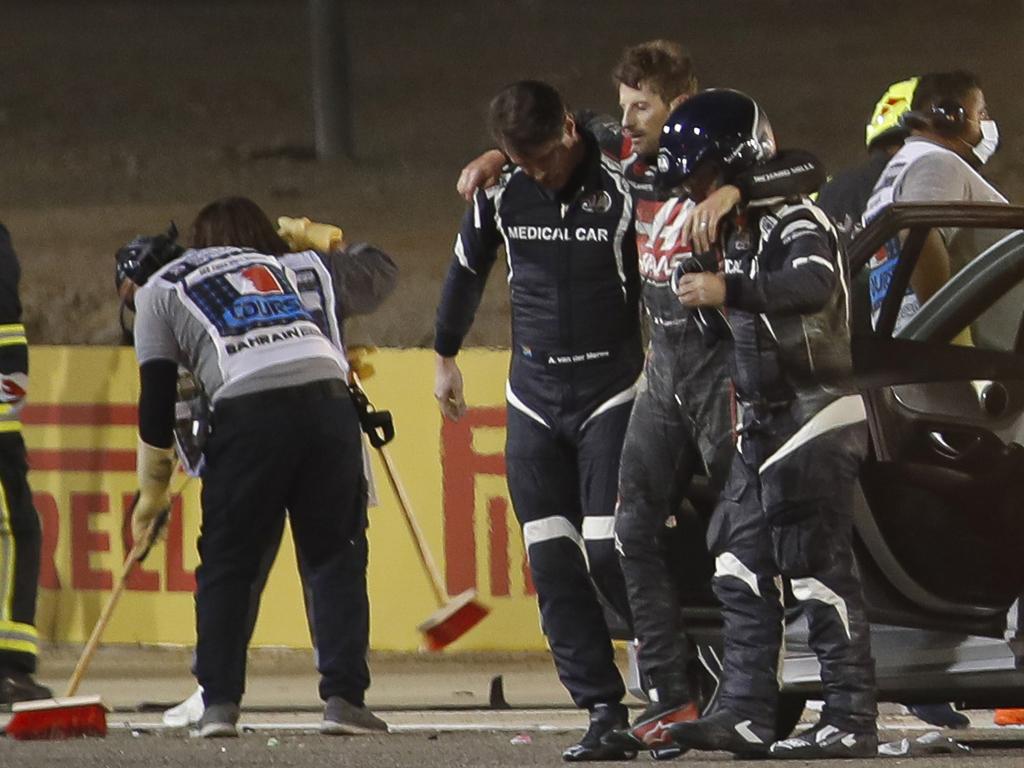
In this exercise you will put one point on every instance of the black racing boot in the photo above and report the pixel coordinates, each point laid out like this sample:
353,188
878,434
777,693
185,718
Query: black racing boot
669,703
16,685
726,732
604,718
826,742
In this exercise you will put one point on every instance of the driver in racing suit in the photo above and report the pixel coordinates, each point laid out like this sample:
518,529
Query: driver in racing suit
786,509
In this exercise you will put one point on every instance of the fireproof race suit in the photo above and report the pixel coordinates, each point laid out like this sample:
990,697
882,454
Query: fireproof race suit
682,420
576,356
786,510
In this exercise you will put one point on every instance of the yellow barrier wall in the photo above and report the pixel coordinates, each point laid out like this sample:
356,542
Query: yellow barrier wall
80,430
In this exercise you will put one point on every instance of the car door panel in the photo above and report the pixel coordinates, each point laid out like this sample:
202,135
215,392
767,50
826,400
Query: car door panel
944,519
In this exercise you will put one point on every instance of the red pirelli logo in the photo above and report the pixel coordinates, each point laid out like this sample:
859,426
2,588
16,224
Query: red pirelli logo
461,467
86,506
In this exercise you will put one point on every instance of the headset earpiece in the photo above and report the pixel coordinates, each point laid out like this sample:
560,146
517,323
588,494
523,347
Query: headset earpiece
948,116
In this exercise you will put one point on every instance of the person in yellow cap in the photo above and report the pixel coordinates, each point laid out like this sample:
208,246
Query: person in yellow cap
845,196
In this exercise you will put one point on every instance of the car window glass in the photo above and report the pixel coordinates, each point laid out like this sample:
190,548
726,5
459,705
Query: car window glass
953,264
995,326
999,326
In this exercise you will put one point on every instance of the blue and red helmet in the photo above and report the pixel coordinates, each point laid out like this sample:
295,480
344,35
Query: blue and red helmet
718,126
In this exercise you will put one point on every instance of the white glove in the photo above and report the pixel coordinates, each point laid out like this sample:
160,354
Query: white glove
155,467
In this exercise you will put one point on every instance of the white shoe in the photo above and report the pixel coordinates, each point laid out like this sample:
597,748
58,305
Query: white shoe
189,712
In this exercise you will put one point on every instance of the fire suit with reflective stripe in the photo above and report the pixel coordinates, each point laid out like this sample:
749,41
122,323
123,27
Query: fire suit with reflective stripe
20,534
576,355
682,420
786,510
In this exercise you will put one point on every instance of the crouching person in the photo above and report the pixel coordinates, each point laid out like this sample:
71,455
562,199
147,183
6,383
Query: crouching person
285,436
786,510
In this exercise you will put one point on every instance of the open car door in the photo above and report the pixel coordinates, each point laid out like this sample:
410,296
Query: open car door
942,530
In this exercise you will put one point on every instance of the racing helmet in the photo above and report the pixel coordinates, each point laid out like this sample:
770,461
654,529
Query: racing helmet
885,120
718,125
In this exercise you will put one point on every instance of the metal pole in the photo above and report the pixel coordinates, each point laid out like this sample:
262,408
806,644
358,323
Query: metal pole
332,96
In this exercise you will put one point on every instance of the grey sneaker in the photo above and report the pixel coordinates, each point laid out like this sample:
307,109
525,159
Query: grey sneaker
344,719
219,721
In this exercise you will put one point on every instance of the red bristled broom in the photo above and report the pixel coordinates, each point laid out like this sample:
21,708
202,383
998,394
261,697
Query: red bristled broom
459,615
463,612
70,716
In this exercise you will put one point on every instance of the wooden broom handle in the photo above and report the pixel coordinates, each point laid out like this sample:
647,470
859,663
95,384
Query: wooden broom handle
422,549
138,551
418,538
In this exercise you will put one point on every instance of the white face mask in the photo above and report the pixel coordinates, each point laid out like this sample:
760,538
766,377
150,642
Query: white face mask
985,148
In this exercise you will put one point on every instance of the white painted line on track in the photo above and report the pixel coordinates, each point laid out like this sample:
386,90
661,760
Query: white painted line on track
397,728
483,727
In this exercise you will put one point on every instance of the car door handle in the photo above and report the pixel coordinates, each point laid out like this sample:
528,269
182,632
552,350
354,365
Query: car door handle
948,450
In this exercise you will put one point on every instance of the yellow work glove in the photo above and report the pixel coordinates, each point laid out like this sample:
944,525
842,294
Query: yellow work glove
155,467
357,362
302,234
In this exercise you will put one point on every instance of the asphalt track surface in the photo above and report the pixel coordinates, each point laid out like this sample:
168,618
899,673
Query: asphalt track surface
435,746
438,708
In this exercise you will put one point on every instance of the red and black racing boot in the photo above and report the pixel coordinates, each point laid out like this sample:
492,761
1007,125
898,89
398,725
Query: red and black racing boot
726,732
669,703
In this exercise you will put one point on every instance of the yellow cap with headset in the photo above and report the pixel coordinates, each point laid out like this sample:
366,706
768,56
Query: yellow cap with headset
894,102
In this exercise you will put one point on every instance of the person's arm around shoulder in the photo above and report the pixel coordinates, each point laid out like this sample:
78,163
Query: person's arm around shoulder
797,276
793,172
481,172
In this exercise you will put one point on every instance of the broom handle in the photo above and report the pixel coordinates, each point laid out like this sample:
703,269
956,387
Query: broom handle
101,624
422,549
414,528
139,549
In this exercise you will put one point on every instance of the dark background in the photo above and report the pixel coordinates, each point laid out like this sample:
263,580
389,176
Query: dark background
117,116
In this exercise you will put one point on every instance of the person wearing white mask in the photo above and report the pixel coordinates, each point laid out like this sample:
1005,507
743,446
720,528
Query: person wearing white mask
951,136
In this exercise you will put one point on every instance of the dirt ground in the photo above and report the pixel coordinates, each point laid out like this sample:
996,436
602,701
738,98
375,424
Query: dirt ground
117,116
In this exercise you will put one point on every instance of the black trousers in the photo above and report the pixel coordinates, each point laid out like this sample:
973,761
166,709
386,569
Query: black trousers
20,542
256,591
789,515
299,450
681,424
562,476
